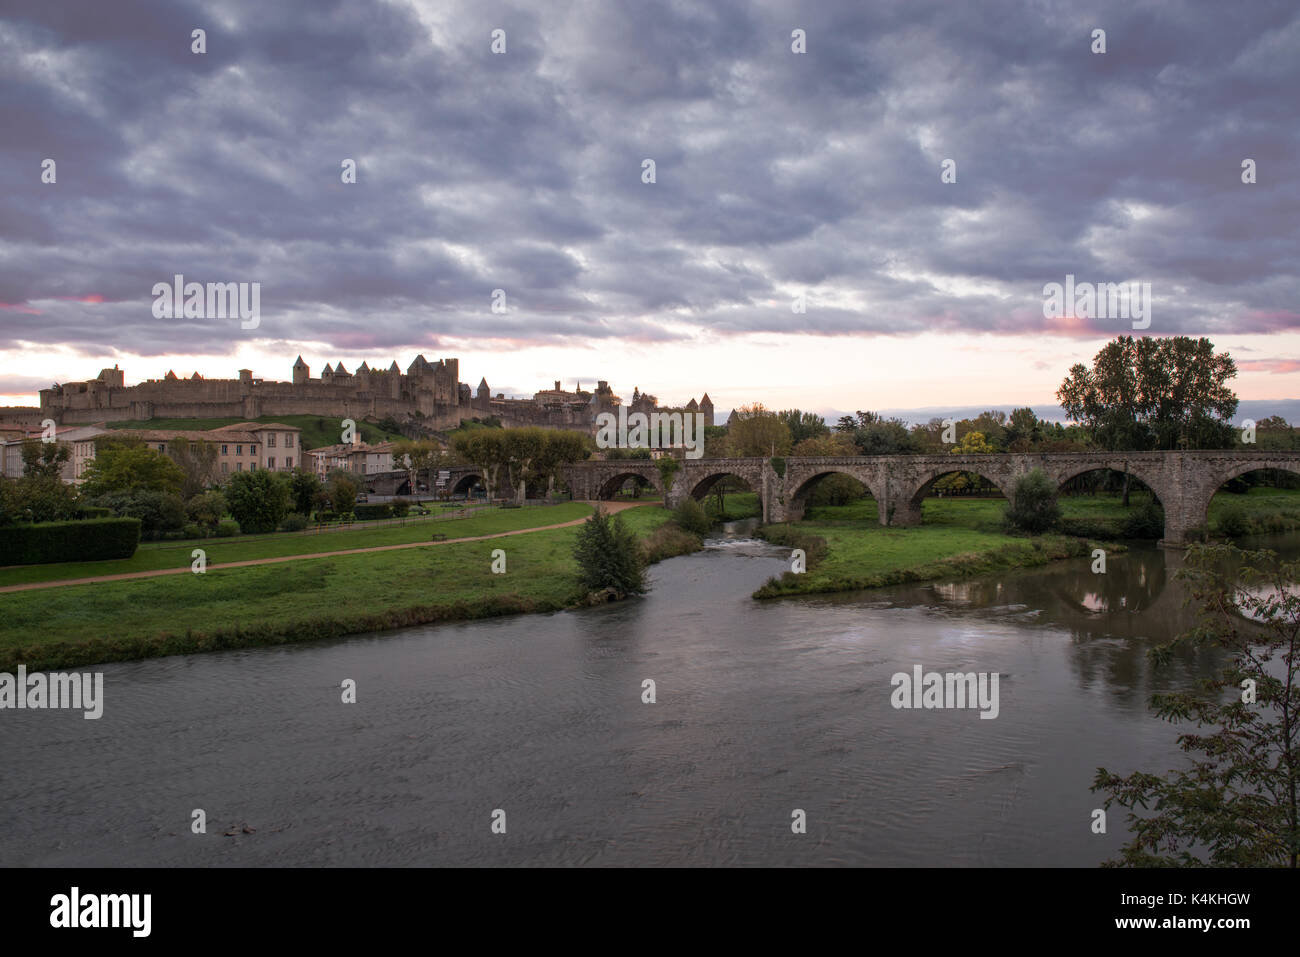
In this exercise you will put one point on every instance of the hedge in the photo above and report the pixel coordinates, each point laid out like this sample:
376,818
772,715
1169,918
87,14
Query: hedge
370,513
93,540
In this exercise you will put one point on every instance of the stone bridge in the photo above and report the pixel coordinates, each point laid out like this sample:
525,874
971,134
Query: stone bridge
1184,482
462,479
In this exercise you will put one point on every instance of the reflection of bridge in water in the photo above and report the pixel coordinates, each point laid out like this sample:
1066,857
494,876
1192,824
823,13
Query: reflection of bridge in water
1184,482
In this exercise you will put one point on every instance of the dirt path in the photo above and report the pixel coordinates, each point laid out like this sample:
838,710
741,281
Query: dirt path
157,572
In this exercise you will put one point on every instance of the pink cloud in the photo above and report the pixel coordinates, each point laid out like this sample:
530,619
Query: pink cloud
1274,366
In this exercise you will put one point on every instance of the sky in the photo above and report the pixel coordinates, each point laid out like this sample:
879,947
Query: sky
777,175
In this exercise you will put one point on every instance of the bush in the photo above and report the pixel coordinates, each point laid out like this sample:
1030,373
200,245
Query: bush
158,512
295,522
327,517
194,531
1146,521
206,508
42,498
93,540
94,511
815,548
226,528
609,555
370,513
400,507
1233,522
690,516
1033,507
668,541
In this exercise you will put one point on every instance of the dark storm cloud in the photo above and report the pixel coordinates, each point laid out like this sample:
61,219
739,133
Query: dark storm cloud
776,173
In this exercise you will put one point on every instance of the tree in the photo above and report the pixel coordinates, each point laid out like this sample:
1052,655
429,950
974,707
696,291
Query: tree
830,445
609,556
420,457
304,487
197,460
803,425
1153,394
560,449
757,432
206,509
342,492
121,466
1239,802
44,498
258,500
44,459
1033,507
521,449
973,443
483,447
1023,430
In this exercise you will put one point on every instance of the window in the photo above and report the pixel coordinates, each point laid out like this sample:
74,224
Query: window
225,450
239,466
225,468
239,450
252,450
270,440
162,447
288,440
270,463
288,462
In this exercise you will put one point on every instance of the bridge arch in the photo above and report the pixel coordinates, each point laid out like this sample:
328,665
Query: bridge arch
1198,506
611,485
803,484
466,482
906,510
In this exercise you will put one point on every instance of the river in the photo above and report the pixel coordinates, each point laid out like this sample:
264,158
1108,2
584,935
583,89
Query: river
761,709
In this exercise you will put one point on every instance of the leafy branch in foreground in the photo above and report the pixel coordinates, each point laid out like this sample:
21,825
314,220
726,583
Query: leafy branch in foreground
1236,806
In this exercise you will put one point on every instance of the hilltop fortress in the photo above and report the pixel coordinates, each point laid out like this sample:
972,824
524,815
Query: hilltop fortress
427,393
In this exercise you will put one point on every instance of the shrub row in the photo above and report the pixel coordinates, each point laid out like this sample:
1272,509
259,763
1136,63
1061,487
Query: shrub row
93,540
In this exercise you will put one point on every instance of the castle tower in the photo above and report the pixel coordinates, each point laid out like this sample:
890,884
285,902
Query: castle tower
706,406
301,372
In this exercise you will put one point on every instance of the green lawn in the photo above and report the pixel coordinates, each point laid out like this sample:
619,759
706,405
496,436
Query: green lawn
309,599
177,554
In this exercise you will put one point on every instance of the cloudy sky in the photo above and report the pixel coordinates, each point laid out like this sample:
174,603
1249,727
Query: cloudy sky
777,174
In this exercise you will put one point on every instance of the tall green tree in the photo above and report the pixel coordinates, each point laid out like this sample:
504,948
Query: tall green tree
197,460
609,555
44,459
757,432
485,448
304,488
1148,393
803,425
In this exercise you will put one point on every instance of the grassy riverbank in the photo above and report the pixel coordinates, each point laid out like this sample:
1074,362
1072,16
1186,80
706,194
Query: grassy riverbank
962,537
303,600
